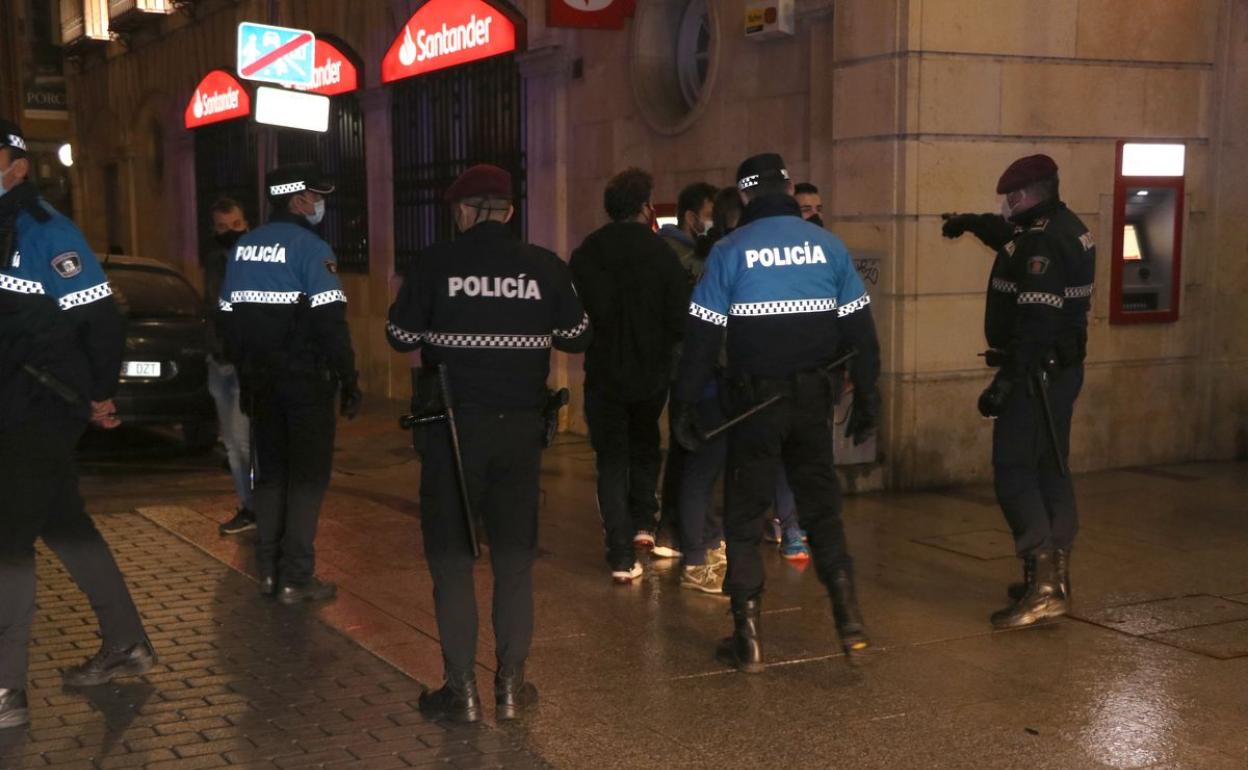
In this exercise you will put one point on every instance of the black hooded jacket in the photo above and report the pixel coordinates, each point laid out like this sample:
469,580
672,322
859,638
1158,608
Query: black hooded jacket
637,296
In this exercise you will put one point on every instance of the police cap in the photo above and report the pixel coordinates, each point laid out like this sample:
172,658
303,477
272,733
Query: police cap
1025,171
11,136
293,178
480,181
768,167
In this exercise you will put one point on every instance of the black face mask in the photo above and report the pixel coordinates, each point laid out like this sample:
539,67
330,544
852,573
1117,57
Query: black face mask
815,219
227,239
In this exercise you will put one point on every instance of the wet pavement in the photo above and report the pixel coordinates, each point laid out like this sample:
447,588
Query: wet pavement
1151,670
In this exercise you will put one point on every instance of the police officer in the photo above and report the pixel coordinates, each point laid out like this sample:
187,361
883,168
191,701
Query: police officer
788,295
285,329
1036,322
489,307
61,339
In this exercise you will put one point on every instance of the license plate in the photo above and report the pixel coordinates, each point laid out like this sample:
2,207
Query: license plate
142,369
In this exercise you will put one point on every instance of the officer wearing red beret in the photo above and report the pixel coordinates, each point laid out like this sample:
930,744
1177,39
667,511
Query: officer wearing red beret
1036,323
488,307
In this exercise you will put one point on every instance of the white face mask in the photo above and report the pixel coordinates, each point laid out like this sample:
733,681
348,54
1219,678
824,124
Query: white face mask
4,189
706,226
318,213
1006,211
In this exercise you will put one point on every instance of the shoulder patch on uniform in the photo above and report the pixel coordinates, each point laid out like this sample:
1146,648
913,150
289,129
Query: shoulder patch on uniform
67,265
1040,224
331,265
1038,265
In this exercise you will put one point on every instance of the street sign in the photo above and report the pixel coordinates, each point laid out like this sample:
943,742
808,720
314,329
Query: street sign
292,109
275,54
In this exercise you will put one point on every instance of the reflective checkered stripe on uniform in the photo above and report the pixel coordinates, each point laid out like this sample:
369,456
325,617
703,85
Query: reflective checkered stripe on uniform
265,297
402,335
575,331
326,297
783,307
708,315
1004,286
488,341
853,307
20,285
86,296
1079,292
1040,298
224,306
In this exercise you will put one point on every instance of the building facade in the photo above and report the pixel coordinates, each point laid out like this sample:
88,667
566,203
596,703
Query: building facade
900,110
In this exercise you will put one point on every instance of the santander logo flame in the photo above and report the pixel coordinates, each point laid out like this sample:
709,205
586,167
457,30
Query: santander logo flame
447,33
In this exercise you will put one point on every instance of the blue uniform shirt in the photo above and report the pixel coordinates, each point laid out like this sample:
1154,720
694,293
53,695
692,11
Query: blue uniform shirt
276,263
786,292
54,259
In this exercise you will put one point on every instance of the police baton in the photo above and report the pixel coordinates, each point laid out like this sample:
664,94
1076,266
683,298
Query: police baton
47,380
748,413
447,414
1041,381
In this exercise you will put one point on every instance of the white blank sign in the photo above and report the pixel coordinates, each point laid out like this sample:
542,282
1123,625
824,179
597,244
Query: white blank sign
292,109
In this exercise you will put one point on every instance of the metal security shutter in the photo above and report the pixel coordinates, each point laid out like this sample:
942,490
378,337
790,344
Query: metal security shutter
445,122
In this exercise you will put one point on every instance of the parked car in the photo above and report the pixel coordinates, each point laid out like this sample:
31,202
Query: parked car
163,373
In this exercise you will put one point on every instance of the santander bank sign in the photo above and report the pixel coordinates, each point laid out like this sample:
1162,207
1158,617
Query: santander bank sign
446,33
218,97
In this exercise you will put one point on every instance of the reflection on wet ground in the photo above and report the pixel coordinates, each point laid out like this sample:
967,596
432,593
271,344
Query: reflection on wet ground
1151,670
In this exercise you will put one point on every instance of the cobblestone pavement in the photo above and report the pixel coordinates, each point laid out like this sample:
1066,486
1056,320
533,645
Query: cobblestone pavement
241,682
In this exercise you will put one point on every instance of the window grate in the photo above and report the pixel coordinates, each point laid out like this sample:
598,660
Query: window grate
225,166
445,122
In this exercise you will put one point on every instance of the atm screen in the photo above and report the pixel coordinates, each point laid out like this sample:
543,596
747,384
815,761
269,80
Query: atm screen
1130,244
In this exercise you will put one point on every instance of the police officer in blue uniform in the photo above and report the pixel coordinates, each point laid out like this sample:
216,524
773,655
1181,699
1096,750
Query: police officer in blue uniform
790,300
1036,323
488,307
285,329
61,339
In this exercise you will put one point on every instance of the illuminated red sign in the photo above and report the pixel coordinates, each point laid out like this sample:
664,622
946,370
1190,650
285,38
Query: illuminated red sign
218,97
446,33
589,14
332,72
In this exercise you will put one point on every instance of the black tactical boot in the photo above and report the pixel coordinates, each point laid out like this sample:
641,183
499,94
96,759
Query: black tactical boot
268,586
845,612
110,663
512,694
1017,590
13,711
456,701
744,649
314,590
1042,600
1061,558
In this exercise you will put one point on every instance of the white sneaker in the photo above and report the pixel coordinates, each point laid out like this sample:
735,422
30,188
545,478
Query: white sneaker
643,540
665,552
626,577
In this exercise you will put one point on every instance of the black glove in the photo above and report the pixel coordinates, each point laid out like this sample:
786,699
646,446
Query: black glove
351,397
956,224
685,427
992,400
864,416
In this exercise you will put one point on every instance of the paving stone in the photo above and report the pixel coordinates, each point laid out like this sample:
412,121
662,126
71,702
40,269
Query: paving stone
232,688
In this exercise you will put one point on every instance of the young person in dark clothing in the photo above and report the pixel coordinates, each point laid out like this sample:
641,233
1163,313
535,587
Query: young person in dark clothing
636,295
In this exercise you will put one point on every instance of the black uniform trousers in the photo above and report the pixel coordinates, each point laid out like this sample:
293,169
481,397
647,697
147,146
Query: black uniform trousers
794,433
627,445
40,483
1038,502
502,455
293,419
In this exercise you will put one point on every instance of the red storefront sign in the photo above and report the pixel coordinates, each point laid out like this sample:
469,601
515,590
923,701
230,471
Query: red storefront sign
446,33
589,14
332,71
218,97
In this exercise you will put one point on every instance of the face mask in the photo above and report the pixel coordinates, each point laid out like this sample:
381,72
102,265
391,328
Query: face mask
3,189
228,238
706,227
318,213
816,220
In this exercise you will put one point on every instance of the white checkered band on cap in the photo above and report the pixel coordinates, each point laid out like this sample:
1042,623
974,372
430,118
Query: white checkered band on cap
17,141
287,189
747,182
